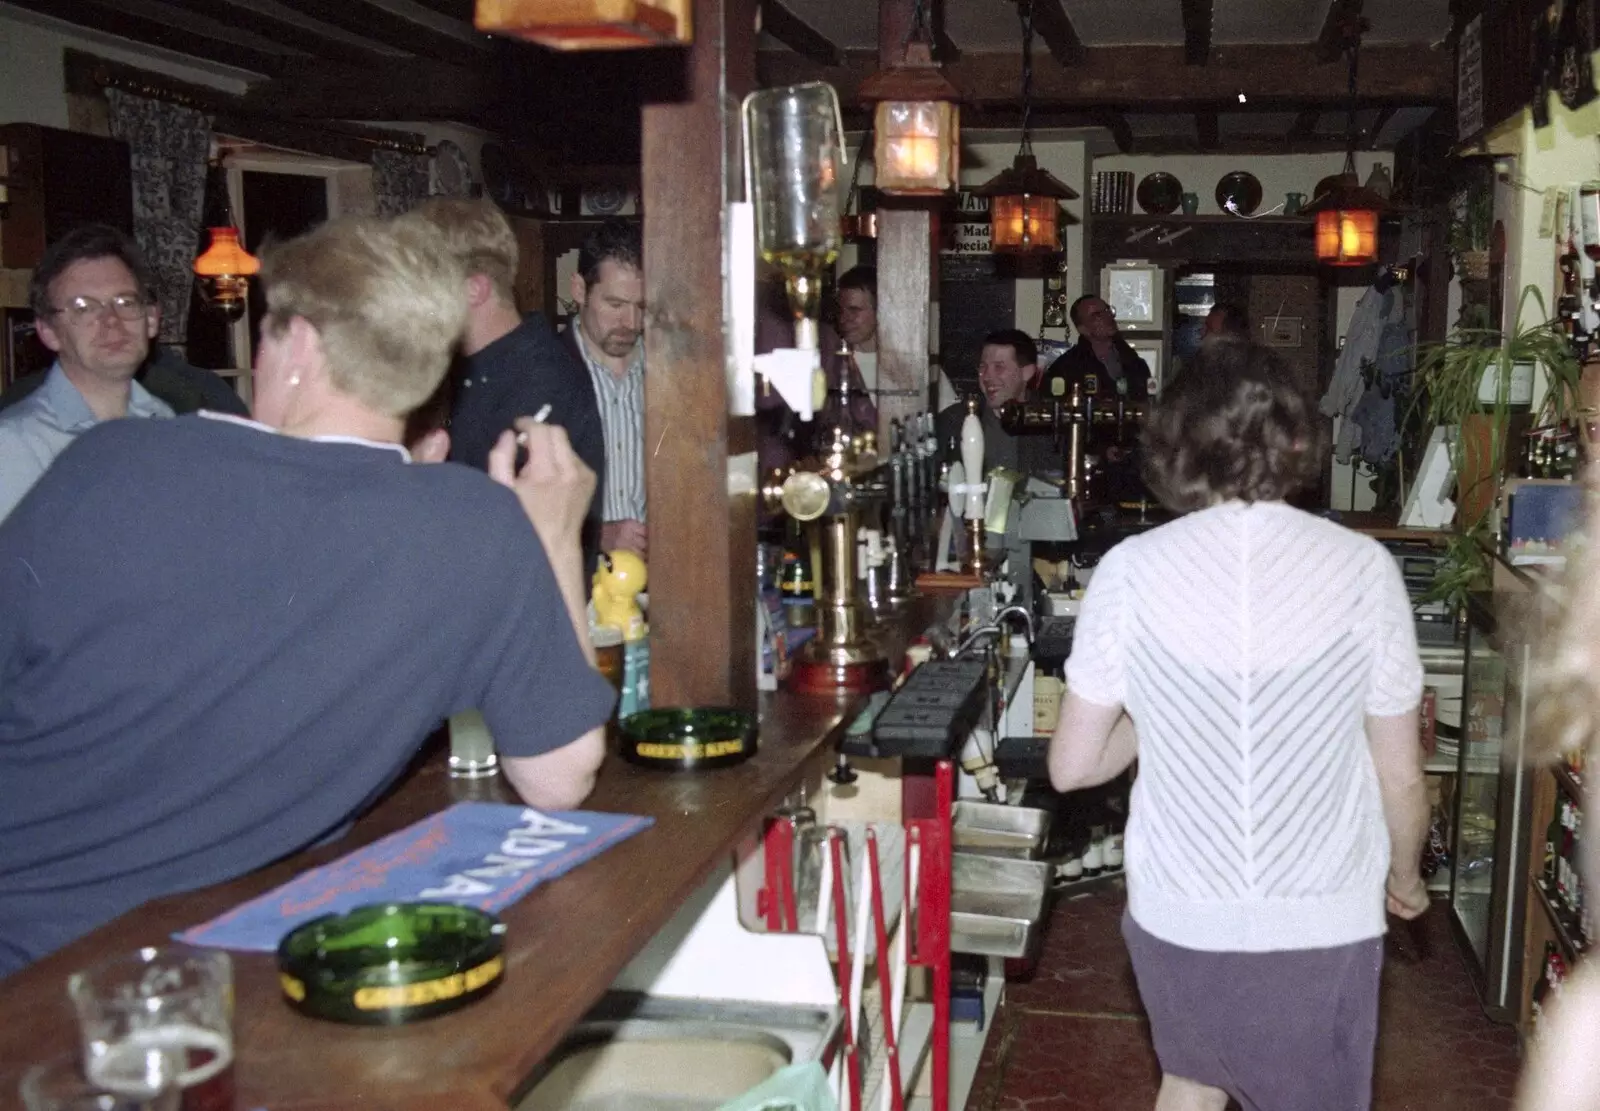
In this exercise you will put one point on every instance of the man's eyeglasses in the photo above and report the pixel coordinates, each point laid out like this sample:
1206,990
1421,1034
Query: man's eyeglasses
126,306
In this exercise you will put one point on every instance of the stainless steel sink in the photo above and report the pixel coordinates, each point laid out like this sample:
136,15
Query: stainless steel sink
651,1053
990,829
996,904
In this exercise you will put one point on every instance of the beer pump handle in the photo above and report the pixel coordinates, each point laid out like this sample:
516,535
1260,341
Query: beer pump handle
972,461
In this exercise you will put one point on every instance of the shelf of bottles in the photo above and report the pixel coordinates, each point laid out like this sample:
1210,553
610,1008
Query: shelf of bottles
1559,889
1560,885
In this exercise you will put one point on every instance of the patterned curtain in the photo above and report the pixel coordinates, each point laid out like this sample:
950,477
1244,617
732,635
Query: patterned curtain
399,180
169,145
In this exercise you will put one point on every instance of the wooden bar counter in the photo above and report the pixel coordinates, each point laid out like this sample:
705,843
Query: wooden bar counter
565,944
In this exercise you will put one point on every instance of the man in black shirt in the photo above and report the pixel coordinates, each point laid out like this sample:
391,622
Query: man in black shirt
513,365
1101,363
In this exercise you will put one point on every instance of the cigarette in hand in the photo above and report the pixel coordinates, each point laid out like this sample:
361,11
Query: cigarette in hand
538,418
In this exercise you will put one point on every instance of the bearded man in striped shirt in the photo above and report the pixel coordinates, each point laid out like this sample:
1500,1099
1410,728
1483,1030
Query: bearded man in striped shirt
605,336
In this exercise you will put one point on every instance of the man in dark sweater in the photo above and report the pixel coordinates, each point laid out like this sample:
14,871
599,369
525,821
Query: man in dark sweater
1101,363
512,365
1104,367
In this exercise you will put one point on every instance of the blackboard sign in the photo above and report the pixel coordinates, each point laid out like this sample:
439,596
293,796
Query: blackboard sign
975,298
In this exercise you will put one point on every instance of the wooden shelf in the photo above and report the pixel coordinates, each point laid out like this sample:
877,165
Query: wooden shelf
1564,937
1569,783
1209,218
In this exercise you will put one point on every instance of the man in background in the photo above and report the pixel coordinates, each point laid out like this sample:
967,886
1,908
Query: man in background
605,337
1008,370
1227,320
858,326
513,364
1101,363
95,304
1106,369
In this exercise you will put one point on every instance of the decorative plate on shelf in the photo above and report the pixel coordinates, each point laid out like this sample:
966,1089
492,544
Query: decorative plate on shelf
452,173
1159,193
1243,189
603,200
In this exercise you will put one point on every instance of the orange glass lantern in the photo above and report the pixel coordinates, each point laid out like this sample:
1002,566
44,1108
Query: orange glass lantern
1025,208
1347,222
916,127
588,24
224,271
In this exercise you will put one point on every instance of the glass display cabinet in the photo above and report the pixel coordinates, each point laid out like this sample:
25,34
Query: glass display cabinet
1493,802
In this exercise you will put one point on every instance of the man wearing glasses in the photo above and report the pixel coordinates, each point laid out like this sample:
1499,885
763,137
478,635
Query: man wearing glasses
1101,363
92,297
1104,367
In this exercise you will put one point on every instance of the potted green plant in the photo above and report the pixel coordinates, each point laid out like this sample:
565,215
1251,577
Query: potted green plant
1467,235
1471,384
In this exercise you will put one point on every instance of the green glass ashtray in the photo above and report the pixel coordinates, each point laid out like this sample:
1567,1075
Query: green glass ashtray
683,739
391,963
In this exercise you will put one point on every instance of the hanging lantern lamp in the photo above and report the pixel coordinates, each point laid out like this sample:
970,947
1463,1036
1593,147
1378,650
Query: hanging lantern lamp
588,24
1025,216
916,126
1346,211
223,271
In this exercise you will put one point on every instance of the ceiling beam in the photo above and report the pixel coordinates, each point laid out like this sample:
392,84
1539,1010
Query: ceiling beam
1381,121
1117,124
1206,127
1114,122
297,36
1239,144
798,35
1154,78
463,10
390,89
110,18
1050,19
1304,126
1342,16
1196,31
393,30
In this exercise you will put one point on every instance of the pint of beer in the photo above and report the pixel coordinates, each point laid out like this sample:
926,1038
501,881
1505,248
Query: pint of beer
175,999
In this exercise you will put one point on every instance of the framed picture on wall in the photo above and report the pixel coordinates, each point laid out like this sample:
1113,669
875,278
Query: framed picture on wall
1281,331
1151,351
1136,293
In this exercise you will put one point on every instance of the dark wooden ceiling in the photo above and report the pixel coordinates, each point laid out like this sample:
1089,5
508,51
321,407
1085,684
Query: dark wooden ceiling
1152,75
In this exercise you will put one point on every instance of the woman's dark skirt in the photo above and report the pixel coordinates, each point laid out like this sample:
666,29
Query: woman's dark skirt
1285,1031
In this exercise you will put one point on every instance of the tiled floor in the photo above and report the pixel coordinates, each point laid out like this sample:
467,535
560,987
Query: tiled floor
1073,1036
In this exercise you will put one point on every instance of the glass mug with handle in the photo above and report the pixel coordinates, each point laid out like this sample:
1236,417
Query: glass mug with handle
176,999
149,1083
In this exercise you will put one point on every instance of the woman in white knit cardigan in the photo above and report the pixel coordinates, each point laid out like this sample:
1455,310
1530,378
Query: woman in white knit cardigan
1262,665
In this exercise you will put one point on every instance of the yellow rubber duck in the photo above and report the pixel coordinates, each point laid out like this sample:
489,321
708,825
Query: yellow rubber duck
618,582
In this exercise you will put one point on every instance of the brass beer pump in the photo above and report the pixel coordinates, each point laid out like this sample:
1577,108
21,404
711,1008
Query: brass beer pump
832,501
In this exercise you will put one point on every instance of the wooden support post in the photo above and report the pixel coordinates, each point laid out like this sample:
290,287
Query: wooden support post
905,268
700,462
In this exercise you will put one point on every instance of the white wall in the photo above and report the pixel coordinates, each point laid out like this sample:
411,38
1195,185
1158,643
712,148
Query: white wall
1279,174
32,80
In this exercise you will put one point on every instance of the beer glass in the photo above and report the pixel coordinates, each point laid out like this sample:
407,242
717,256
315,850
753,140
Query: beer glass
60,1085
471,746
175,998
